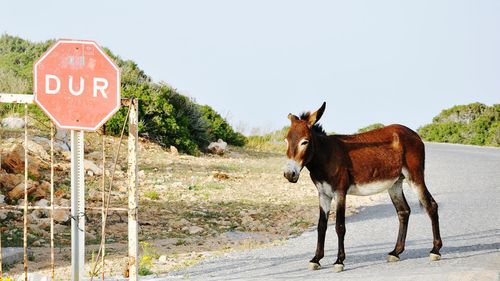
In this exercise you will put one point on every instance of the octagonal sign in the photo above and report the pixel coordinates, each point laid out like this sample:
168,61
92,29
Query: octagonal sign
77,85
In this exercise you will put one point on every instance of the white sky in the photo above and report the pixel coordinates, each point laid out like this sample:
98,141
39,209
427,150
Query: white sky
256,61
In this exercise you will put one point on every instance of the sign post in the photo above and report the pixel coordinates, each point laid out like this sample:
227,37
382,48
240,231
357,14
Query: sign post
77,206
78,86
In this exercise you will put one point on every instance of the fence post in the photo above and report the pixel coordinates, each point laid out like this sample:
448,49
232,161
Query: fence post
133,243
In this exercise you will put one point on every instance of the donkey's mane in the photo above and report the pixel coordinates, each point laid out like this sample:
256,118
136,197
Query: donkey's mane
317,128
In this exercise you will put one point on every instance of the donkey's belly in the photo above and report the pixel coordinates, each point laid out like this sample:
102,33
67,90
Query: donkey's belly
370,188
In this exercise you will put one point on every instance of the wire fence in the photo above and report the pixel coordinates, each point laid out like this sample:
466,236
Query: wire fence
132,210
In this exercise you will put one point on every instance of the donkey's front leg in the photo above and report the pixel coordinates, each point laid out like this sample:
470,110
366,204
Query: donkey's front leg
324,210
340,228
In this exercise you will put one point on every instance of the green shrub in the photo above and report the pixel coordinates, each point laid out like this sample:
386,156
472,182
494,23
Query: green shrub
371,127
218,128
476,124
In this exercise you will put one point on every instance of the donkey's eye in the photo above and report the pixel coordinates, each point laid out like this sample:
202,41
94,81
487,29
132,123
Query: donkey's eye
306,142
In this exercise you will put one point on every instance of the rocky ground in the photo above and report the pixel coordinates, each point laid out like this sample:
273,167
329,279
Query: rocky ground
190,207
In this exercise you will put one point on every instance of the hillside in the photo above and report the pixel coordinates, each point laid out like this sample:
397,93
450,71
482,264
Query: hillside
474,123
167,117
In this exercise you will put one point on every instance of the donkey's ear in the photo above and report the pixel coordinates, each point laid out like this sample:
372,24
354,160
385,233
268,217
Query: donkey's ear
292,117
314,117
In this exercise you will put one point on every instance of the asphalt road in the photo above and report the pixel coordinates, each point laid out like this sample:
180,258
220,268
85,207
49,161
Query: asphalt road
464,180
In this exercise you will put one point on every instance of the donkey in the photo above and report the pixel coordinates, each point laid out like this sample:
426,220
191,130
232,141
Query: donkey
361,164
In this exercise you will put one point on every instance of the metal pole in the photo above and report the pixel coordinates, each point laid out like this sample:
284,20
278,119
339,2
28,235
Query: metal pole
52,255
77,206
25,238
103,212
133,244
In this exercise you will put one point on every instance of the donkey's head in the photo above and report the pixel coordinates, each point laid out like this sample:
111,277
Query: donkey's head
299,141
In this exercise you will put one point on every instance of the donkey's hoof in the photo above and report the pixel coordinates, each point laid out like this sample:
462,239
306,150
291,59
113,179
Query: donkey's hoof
391,258
314,266
338,267
434,257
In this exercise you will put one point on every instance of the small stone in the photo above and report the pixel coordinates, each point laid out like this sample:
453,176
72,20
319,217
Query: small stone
141,174
42,203
90,236
3,215
61,215
13,123
195,230
218,147
2,199
9,181
173,150
90,173
163,259
89,165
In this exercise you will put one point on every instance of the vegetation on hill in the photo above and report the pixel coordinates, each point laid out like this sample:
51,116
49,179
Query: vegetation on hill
165,115
474,123
371,127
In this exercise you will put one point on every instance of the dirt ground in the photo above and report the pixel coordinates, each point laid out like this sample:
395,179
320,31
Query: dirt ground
190,208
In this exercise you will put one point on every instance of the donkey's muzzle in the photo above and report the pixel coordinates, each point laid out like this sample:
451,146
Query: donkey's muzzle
292,171
292,177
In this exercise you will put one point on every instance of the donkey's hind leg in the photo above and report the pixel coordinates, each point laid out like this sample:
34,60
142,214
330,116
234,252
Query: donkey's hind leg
403,210
424,196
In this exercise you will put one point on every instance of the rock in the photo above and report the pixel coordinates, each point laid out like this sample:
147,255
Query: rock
195,230
90,236
3,215
17,192
38,150
141,174
13,123
218,147
61,215
63,202
37,244
220,176
35,215
173,150
45,142
38,231
2,199
163,259
40,191
91,166
9,181
13,159
90,173
36,190
42,203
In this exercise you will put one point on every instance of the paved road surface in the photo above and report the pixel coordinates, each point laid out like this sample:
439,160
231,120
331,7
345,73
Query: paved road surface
464,180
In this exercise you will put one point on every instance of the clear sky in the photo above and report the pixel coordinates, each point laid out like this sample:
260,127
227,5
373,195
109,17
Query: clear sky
256,61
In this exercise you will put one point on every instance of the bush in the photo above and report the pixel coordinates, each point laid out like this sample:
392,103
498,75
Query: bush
218,128
476,124
371,127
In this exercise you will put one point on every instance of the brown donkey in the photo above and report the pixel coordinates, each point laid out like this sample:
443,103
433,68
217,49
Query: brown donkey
361,164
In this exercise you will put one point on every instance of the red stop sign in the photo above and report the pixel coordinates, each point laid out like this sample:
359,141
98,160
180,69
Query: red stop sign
77,85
